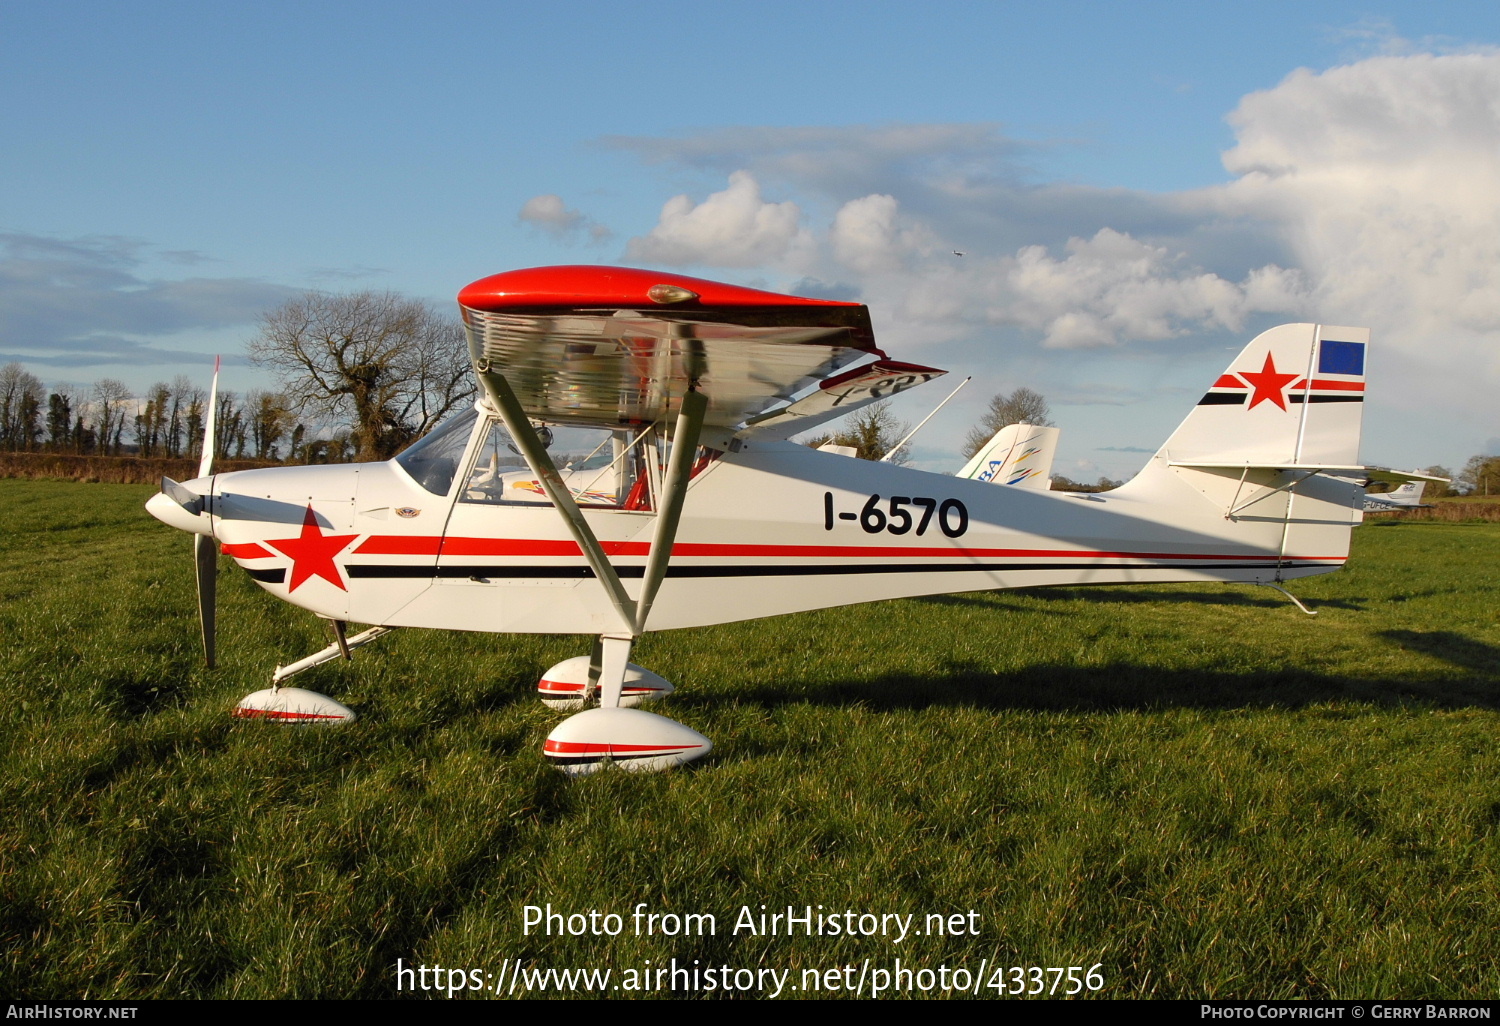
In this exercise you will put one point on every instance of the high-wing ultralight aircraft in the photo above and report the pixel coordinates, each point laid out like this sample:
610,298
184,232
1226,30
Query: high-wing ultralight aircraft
1408,496
629,469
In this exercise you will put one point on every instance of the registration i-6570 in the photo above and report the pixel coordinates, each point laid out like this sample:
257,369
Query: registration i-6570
901,514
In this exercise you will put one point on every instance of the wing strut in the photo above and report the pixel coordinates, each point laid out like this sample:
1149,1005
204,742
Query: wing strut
679,469
633,614
541,465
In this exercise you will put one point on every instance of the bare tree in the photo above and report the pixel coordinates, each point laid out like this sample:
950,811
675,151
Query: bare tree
269,420
872,432
20,407
1023,406
1480,476
229,427
112,402
392,366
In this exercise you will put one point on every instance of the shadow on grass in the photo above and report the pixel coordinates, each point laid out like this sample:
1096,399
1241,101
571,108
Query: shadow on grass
1125,687
1471,655
1133,595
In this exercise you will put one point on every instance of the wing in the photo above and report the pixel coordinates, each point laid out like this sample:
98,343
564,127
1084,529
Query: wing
609,346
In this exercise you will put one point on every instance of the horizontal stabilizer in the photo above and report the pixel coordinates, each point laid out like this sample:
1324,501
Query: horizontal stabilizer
1326,468
1398,477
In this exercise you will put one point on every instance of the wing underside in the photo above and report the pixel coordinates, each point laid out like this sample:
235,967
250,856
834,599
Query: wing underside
620,367
607,346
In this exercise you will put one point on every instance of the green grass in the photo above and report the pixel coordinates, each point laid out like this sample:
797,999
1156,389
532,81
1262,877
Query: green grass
1197,786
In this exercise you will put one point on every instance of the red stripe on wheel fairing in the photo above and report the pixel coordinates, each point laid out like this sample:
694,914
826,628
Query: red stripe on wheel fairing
266,714
602,748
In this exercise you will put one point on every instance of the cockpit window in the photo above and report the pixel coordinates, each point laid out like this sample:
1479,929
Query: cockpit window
434,459
599,465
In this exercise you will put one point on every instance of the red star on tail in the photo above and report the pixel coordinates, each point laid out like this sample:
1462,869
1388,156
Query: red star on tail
312,553
1267,383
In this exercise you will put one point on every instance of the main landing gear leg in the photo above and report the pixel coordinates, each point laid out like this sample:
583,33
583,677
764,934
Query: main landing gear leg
633,739
614,653
573,684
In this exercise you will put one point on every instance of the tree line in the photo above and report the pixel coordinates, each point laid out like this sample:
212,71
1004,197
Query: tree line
361,376
108,419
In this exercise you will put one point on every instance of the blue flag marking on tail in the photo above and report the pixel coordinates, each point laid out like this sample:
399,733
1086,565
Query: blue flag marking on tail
1341,357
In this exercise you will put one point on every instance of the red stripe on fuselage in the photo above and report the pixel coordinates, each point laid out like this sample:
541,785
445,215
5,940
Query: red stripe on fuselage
245,550
397,545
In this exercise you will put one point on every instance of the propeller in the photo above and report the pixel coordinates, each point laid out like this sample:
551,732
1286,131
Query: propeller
206,556
205,552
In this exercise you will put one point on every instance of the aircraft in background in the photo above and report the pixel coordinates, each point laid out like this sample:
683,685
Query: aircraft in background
629,469
1408,496
1018,454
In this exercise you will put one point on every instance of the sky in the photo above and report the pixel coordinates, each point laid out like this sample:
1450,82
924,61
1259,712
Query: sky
1136,189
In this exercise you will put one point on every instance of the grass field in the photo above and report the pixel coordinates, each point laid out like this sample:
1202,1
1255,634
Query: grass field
1195,787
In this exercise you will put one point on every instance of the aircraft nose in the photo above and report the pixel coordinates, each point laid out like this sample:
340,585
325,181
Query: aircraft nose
164,508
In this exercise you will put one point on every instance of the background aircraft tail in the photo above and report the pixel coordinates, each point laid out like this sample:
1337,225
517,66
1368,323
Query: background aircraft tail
1408,496
1019,454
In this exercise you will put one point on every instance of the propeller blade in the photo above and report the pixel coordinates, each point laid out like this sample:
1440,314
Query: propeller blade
206,461
184,497
206,556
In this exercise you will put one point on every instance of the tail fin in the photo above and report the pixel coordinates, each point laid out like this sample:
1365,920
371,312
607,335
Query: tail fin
1019,454
1274,443
1294,396
1409,494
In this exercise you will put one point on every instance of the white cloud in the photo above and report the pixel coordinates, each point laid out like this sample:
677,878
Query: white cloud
1366,194
1114,288
1384,178
732,228
550,214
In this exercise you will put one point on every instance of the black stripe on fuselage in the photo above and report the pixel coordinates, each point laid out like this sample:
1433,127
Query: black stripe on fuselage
512,572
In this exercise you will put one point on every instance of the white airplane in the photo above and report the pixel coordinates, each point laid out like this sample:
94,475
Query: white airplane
1408,496
1018,454
693,507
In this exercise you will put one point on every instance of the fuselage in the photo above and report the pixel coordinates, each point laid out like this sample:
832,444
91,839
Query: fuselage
772,528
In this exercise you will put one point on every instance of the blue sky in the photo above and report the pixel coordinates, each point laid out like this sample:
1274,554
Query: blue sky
1137,188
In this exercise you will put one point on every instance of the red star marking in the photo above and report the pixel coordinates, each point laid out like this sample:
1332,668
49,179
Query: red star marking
1267,383
312,553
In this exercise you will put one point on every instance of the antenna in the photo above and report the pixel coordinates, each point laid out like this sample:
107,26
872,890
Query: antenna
897,447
